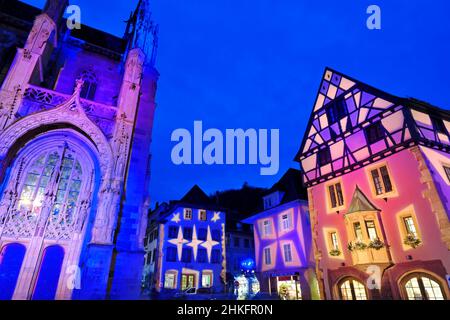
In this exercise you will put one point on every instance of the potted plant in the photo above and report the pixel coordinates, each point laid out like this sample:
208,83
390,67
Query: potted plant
335,252
376,244
412,241
358,245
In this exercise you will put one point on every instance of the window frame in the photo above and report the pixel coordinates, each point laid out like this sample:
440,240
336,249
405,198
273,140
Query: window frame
337,196
374,133
187,214
202,215
267,252
382,180
447,172
324,157
351,281
289,251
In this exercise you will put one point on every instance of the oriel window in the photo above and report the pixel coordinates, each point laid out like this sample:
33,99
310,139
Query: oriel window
358,231
371,230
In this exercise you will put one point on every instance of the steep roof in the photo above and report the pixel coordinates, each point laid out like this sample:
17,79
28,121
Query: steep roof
196,196
291,185
360,202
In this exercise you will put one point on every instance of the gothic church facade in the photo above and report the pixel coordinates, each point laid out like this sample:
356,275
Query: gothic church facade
76,117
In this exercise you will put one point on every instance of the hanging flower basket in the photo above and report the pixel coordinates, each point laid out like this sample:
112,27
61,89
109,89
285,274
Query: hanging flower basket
376,244
358,245
335,252
412,241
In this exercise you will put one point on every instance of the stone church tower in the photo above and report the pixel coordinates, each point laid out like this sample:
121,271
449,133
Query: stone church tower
76,117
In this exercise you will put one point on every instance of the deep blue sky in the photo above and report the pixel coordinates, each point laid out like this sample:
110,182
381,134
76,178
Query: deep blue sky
258,64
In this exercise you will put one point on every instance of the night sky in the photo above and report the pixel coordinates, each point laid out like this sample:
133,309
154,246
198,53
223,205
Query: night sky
258,64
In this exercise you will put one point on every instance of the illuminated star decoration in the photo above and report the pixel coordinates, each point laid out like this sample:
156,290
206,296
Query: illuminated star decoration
176,217
216,217
194,243
179,242
209,244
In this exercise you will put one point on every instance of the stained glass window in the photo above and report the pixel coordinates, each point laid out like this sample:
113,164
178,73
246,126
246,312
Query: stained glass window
64,174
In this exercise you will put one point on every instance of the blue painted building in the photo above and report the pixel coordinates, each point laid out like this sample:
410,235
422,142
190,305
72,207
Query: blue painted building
186,245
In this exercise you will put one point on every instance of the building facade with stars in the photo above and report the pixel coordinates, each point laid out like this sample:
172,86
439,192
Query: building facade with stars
189,238
76,117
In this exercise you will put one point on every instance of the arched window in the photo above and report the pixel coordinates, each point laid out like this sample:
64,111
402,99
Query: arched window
89,86
422,286
352,289
59,171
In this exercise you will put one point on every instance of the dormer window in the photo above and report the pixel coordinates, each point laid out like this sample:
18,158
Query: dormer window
336,111
272,200
324,156
374,132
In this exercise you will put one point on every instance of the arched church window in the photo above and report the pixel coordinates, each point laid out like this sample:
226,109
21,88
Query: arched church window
90,85
55,173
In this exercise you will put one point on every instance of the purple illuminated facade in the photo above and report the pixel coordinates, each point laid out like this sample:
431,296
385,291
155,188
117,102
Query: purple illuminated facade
76,117
283,249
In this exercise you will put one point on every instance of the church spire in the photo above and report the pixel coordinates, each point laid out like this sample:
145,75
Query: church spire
142,32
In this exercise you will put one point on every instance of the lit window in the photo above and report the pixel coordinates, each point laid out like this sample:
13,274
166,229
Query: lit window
422,287
381,180
334,241
286,222
202,215
267,257
447,172
336,196
374,132
187,281
358,231
170,280
353,290
410,226
287,253
206,280
187,214
324,156
371,230
267,227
